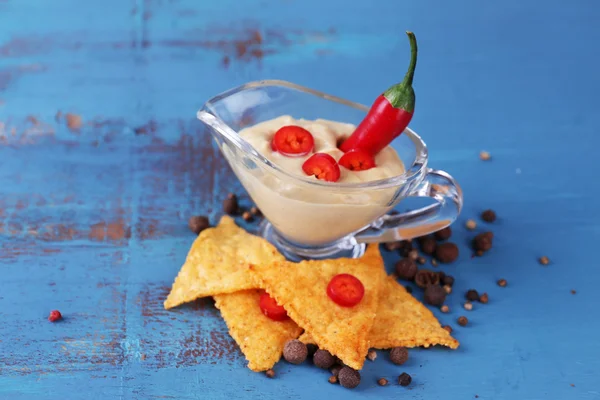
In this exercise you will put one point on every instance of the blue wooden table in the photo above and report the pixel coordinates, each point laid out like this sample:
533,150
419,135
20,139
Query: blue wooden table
102,162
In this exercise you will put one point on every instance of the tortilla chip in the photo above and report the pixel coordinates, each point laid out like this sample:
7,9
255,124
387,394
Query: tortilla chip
301,289
218,263
402,321
260,338
306,338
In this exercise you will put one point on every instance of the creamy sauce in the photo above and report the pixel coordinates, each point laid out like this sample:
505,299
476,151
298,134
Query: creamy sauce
312,215
326,134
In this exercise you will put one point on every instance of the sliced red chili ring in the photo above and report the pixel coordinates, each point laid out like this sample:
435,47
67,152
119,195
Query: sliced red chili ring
293,141
271,309
357,160
345,290
323,167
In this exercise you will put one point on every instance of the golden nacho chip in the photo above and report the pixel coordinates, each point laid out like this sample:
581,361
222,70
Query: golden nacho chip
306,338
301,288
218,263
404,321
260,338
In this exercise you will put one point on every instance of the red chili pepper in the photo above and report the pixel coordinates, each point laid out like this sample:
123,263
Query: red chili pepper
323,167
390,113
357,160
293,141
271,309
346,290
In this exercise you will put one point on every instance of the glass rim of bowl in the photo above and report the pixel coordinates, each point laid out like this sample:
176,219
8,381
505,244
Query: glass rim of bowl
417,168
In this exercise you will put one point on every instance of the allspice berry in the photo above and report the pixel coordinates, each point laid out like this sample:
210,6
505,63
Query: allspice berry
349,378
443,234
404,379
198,223
399,355
428,245
446,252
488,216
472,295
406,269
295,351
230,204
434,295
323,359
483,241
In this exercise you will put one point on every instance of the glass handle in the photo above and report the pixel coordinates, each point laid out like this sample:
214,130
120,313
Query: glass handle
438,185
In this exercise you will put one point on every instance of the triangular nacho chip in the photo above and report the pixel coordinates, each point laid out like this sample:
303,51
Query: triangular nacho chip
260,338
404,321
301,288
218,263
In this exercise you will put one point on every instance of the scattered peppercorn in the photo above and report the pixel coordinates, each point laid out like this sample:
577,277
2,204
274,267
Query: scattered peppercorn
349,378
230,204
270,373
406,269
445,309
447,289
573,291
372,355
502,282
471,224
323,359
311,349
198,223
421,260
447,328
335,370
488,216
446,252
434,295
442,275
333,379
463,321
295,351
544,260
399,355
483,242
484,156
404,379
472,295
413,254
484,298
54,316
382,381
468,306
443,234
428,244
247,216
448,280
425,277
255,211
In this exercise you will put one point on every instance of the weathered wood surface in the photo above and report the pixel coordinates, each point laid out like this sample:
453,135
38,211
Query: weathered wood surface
93,212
